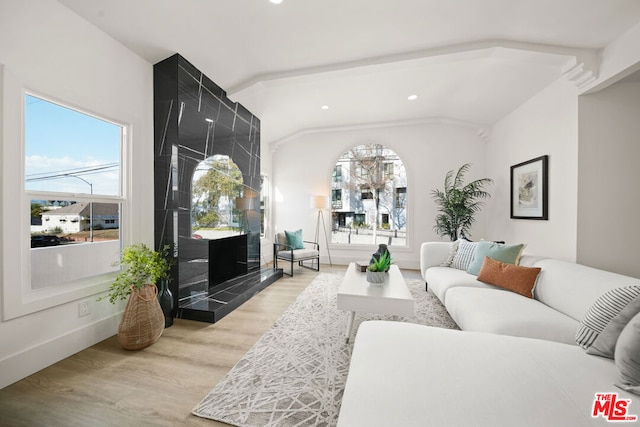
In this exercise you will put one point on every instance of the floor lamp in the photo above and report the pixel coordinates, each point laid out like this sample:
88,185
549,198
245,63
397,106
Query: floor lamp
320,203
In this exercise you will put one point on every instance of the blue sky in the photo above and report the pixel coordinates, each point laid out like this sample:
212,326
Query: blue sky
61,141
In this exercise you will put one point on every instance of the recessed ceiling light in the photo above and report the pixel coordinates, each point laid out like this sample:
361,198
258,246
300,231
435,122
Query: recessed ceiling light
325,107
276,1
412,97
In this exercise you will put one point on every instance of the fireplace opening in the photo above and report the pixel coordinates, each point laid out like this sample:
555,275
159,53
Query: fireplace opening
227,259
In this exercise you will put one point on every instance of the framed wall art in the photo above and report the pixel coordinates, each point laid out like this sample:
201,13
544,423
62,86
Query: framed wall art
529,185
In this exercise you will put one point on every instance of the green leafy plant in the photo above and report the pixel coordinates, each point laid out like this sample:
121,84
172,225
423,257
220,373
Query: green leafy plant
140,266
458,203
381,263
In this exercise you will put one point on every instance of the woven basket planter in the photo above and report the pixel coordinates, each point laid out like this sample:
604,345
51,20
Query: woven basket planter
143,321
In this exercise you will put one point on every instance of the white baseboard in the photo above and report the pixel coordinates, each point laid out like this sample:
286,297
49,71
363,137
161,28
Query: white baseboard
24,363
345,260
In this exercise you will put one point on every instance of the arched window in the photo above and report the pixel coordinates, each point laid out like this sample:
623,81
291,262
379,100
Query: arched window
369,197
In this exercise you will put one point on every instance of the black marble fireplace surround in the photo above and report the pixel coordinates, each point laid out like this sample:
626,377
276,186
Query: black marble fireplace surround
194,120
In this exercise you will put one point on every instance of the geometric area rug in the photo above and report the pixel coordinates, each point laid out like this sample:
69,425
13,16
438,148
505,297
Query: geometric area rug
296,373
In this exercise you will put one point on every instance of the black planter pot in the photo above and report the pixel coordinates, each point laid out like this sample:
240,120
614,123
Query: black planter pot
165,298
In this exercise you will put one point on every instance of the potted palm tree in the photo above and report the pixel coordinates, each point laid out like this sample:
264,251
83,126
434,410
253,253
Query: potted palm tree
458,203
143,320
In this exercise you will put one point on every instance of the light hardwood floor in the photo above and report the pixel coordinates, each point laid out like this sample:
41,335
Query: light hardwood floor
105,385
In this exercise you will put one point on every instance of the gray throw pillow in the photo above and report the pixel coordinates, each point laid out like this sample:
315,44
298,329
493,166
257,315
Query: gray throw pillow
605,308
627,356
605,344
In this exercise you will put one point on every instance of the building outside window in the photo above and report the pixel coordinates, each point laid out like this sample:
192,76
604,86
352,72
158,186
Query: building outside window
337,173
401,197
388,170
336,198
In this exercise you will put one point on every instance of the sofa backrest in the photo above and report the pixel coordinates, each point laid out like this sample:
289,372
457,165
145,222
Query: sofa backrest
572,288
433,254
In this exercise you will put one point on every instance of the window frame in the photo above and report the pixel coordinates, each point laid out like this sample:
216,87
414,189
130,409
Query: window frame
354,195
20,299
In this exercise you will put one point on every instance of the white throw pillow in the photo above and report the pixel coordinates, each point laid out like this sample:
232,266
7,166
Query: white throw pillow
464,255
452,253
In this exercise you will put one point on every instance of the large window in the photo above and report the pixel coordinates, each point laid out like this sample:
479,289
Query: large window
369,197
73,182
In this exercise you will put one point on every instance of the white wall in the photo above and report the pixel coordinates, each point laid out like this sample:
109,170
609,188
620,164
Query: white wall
47,49
266,243
545,124
302,168
608,194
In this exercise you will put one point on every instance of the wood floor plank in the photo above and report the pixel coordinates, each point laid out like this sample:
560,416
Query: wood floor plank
105,385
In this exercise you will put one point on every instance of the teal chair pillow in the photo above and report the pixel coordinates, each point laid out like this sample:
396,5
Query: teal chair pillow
294,239
509,254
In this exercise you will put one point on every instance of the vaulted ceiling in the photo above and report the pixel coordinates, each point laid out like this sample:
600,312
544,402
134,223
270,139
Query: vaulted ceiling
469,61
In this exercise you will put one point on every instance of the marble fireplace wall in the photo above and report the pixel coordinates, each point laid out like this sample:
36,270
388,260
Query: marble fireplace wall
194,120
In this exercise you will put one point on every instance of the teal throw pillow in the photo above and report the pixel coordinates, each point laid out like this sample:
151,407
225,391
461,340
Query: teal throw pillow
294,239
509,254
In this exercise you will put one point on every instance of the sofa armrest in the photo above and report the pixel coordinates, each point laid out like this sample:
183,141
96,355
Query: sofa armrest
433,254
314,245
277,247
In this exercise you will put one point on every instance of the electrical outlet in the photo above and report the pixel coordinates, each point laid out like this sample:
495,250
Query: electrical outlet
83,309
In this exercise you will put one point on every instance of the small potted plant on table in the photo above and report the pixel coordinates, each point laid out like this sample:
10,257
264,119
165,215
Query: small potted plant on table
378,268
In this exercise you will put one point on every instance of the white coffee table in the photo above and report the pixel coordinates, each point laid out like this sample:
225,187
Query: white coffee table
356,294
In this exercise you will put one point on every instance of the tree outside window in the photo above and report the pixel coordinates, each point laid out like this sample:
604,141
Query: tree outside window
217,183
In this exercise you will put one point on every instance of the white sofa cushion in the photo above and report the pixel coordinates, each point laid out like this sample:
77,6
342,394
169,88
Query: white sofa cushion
411,375
507,313
441,279
572,288
299,254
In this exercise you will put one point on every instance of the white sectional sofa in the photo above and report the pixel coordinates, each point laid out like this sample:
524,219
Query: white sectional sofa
563,294
515,362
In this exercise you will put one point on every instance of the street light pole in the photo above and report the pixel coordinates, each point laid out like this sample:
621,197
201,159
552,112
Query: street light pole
90,204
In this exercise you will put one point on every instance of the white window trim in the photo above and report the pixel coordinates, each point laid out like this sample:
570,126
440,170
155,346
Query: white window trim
21,300
408,246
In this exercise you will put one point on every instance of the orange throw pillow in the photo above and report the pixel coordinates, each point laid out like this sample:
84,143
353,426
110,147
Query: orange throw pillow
515,278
